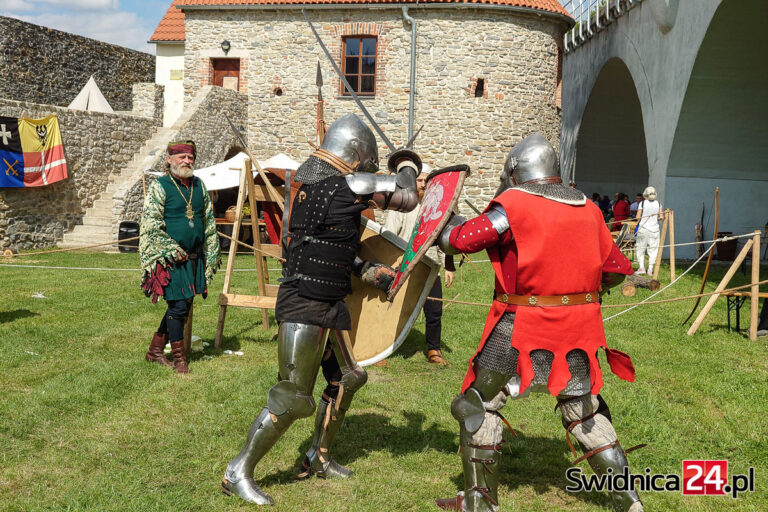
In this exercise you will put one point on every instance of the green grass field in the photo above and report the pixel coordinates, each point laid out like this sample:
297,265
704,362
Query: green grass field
87,424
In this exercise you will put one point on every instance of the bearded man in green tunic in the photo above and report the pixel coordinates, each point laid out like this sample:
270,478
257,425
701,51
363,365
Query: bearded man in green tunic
178,247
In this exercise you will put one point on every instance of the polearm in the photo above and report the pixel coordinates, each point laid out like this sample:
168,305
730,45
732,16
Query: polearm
272,192
347,86
320,110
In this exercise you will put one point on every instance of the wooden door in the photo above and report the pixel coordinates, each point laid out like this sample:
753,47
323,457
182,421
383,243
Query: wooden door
226,73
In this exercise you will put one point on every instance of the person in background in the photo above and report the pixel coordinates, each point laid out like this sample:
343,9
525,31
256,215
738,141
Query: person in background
633,207
649,214
596,199
178,248
620,211
402,225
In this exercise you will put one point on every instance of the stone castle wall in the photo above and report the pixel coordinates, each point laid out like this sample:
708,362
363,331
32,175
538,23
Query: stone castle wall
516,54
203,121
95,145
47,66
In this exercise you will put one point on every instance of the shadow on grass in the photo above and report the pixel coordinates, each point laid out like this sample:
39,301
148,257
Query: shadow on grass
416,343
538,462
364,433
10,316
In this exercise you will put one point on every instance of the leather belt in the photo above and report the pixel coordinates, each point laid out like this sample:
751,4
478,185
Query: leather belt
544,301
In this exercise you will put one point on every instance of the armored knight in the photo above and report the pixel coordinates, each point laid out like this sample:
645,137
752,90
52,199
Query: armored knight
544,327
338,183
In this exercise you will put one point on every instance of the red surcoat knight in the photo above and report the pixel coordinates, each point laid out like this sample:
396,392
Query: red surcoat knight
551,249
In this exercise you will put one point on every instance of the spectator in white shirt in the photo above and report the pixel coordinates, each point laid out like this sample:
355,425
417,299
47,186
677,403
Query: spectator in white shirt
647,241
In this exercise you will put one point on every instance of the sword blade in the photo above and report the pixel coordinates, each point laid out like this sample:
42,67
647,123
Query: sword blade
347,86
409,144
474,208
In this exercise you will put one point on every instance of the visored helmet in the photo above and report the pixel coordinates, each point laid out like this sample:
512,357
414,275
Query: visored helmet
352,141
532,160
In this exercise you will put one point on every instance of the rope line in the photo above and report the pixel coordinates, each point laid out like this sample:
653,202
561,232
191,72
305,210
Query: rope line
676,299
711,247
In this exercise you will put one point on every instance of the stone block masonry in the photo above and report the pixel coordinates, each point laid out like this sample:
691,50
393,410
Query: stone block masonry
96,146
515,55
47,66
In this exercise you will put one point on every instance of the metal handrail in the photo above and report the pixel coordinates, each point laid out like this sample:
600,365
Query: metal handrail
591,18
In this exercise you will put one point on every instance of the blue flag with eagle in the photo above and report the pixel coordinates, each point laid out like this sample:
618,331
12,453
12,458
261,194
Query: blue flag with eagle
31,152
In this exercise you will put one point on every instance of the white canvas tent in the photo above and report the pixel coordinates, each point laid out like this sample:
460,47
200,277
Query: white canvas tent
221,176
90,98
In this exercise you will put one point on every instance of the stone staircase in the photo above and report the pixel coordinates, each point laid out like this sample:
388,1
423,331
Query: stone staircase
99,224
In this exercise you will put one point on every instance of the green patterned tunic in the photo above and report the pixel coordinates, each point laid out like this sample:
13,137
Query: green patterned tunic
165,233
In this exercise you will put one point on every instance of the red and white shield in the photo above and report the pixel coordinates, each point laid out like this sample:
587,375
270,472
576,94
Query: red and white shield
440,198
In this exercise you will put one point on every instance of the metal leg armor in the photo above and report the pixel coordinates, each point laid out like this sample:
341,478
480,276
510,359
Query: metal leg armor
480,440
588,419
330,414
300,348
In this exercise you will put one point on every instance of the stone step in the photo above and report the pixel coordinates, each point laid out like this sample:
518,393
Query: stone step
87,229
103,203
71,242
93,220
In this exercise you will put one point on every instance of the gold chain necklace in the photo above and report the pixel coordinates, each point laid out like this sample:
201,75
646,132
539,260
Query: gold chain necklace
189,213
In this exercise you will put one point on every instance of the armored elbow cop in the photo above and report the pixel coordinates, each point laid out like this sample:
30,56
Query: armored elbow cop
390,192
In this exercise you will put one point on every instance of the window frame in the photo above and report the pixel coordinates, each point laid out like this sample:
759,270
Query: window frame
360,56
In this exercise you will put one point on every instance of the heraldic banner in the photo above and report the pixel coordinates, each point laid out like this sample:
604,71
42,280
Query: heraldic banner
31,152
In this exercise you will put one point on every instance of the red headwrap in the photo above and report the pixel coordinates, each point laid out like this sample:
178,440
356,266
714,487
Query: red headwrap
187,146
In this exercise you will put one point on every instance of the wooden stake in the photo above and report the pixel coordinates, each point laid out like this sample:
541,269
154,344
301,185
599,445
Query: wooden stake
257,241
657,263
232,251
720,287
753,300
671,245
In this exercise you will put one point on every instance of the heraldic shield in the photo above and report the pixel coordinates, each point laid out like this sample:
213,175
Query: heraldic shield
440,198
379,327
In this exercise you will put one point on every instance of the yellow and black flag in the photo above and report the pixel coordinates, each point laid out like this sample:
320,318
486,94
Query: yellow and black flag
31,152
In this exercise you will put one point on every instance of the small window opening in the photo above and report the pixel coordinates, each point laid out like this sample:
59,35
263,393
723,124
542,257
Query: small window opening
278,91
480,88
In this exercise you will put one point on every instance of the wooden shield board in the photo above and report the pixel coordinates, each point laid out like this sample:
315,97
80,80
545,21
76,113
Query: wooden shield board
379,327
440,198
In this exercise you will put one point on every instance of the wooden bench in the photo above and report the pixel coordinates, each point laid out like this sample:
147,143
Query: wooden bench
735,301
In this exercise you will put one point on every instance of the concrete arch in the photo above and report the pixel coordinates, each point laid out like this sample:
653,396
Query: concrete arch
589,63
723,123
611,153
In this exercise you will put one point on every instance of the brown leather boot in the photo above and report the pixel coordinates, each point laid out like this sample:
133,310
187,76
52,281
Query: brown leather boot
155,353
179,358
436,357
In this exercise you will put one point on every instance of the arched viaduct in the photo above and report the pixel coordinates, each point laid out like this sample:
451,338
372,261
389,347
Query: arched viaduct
674,93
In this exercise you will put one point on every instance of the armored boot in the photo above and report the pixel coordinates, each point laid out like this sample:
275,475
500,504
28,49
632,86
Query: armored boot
327,424
615,458
588,419
179,357
155,352
238,478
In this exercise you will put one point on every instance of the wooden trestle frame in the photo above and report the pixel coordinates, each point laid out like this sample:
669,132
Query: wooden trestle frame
752,244
267,296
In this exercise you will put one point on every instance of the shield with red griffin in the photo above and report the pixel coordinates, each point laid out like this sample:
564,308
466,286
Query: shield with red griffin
440,198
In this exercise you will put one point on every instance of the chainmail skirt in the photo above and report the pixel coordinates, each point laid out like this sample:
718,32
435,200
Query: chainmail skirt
498,355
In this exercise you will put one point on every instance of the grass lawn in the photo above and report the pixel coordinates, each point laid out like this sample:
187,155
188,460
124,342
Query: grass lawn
87,424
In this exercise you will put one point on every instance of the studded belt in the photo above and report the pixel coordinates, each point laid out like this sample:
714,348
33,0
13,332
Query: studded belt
548,301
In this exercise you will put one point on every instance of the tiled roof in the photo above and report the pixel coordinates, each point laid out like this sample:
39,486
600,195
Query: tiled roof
543,5
171,27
